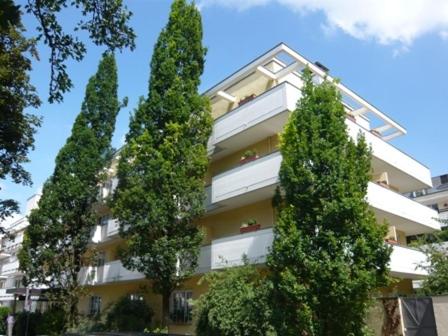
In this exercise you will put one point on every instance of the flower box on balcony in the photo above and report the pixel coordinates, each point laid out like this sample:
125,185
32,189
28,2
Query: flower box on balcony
391,241
250,228
246,99
248,156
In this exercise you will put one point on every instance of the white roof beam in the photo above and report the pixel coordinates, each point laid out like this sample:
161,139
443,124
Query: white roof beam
285,71
343,89
265,72
383,128
226,96
391,136
359,111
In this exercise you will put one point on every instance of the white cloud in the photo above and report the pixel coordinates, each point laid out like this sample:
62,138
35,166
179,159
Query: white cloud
385,21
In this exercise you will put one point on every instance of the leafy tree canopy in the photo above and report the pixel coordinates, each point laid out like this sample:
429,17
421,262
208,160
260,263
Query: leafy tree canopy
160,192
328,254
17,128
56,240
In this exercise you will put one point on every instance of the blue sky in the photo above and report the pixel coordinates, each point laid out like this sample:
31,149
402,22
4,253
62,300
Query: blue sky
394,57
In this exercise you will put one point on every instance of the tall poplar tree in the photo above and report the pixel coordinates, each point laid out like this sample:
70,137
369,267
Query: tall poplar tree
59,231
161,172
328,254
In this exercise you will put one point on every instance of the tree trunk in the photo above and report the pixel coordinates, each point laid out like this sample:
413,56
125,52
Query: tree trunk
166,309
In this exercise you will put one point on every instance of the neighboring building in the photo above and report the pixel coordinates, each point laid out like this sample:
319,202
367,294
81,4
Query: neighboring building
250,108
435,197
10,276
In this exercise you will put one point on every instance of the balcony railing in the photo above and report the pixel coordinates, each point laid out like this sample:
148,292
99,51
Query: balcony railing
407,262
408,215
266,115
113,271
106,231
416,175
269,107
229,251
257,180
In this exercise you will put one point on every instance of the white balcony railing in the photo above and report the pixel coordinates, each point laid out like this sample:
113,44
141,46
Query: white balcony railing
266,115
407,262
408,215
382,150
257,180
10,268
229,251
106,231
246,178
113,271
248,118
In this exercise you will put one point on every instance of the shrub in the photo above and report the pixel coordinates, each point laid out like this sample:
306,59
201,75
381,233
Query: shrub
33,323
236,304
4,311
51,322
129,315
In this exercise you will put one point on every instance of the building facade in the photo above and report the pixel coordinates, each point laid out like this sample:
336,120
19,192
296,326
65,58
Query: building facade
435,197
10,276
250,108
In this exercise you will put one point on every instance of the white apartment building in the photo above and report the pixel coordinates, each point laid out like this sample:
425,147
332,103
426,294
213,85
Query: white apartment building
435,197
250,109
10,276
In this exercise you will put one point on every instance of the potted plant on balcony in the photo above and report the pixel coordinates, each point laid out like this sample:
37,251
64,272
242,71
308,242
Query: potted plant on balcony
391,241
248,156
246,99
249,226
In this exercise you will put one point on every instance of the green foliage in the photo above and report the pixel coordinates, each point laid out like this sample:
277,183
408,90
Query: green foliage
106,23
328,254
435,247
56,240
17,128
129,315
236,304
49,323
4,312
161,189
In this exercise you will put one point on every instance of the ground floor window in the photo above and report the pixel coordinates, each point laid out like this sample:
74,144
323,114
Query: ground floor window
181,307
95,305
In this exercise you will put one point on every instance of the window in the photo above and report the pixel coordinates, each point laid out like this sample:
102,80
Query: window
181,307
95,305
444,179
18,283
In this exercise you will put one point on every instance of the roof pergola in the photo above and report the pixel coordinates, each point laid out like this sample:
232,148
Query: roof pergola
384,126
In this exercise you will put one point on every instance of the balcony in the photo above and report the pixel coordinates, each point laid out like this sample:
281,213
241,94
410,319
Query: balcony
106,231
227,252
113,271
258,179
11,268
247,183
405,262
267,114
257,119
402,212
406,173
